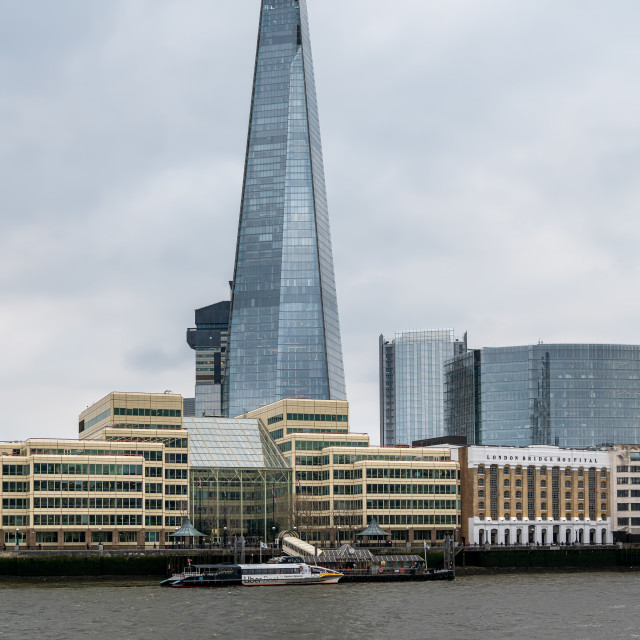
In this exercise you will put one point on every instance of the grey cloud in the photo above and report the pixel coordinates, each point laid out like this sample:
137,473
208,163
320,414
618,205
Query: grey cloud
481,163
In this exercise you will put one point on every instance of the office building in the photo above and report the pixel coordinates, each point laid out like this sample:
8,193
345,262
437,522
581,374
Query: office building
76,494
209,340
536,495
625,492
411,384
567,395
148,417
342,483
284,335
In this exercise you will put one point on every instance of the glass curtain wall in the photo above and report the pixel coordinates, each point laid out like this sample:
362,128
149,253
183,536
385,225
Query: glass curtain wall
284,334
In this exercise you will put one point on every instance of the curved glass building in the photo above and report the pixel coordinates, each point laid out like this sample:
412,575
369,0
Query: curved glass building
568,395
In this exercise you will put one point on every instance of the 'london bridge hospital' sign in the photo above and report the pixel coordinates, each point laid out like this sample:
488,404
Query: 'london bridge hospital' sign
537,455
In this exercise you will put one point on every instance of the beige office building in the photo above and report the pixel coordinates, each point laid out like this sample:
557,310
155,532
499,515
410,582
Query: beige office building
341,482
124,483
625,492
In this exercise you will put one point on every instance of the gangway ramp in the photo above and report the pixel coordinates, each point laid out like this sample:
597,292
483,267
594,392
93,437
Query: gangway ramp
293,546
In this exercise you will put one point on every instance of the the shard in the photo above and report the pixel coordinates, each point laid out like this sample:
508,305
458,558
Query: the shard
284,331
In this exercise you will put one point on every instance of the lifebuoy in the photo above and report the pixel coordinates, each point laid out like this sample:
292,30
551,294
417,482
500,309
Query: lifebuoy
380,569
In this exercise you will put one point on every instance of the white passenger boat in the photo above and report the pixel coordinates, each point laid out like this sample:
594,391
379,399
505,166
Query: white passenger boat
286,571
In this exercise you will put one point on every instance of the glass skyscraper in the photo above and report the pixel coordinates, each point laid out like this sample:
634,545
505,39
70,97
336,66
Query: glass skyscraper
411,384
568,395
284,339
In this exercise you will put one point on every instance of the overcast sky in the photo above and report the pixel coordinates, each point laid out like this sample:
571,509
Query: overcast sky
482,162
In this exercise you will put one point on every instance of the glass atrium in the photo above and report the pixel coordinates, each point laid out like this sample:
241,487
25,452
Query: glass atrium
239,482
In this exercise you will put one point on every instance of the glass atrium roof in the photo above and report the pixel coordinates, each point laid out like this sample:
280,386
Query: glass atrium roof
231,443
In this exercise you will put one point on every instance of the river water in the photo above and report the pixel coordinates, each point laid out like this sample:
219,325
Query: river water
555,605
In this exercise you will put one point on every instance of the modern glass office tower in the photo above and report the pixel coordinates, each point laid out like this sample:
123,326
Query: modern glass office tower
411,384
209,340
284,336
567,395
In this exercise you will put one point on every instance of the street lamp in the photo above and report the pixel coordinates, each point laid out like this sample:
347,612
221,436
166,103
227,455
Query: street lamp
17,539
338,542
100,547
273,536
224,539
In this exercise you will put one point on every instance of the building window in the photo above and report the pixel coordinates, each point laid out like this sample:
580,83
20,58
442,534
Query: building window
481,470
623,468
518,483
518,471
480,493
481,505
543,484
543,495
507,506
567,484
623,522
580,495
567,506
567,472
507,494
506,482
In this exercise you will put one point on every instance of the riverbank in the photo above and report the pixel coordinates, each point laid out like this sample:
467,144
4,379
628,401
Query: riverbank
154,565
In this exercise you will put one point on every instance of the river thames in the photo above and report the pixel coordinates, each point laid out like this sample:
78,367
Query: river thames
554,605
